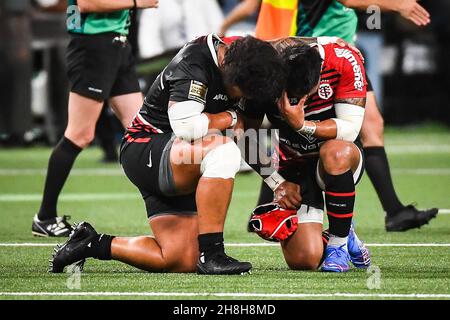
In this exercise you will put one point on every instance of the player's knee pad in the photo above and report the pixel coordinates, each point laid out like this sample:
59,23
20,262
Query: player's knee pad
221,162
309,214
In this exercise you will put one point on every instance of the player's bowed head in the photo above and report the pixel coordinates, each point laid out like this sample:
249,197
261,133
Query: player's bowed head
252,68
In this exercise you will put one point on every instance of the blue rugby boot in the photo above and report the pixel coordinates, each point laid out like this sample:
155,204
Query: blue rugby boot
359,254
336,259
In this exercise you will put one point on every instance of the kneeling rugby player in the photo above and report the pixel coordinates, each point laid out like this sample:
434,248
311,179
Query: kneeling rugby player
184,172
318,119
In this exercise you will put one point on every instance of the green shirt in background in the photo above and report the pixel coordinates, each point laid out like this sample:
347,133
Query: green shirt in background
326,18
95,23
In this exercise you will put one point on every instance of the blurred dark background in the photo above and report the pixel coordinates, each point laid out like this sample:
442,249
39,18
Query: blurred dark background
409,66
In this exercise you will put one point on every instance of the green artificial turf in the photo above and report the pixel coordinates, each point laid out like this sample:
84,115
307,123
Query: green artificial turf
102,195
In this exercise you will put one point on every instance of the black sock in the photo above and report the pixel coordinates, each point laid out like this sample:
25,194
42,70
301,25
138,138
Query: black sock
211,244
100,247
340,200
105,134
377,167
59,166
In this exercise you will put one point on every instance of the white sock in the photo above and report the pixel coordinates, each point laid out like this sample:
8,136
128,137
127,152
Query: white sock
336,241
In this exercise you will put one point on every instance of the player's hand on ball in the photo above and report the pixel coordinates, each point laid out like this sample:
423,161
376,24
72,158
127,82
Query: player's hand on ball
142,4
292,113
287,195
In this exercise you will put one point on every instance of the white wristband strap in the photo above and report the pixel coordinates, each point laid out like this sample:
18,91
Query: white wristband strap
234,117
274,180
308,128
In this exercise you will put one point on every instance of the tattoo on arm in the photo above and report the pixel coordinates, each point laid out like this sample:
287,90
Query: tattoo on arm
355,101
283,43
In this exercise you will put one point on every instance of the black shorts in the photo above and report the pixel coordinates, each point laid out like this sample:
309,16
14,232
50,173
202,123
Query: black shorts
147,165
305,173
99,67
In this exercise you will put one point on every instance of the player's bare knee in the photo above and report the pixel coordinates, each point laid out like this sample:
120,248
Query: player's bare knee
336,155
183,262
372,129
379,123
372,136
81,139
221,161
305,261
374,121
187,264
378,130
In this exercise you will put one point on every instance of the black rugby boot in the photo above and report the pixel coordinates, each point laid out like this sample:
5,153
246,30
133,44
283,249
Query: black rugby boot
221,264
74,250
409,218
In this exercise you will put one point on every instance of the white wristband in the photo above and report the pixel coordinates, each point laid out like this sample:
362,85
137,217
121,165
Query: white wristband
308,128
274,180
234,118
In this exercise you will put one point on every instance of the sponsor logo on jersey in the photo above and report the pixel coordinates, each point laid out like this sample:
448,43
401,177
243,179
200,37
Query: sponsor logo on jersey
197,91
221,96
347,54
325,91
308,137
302,148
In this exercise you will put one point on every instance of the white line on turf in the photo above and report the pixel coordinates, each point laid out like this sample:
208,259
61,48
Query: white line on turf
119,172
260,244
231,294
27,244
84,197
367,244
422,171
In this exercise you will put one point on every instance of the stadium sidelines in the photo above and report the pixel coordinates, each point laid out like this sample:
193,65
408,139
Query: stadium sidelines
230,294
118,172
32,244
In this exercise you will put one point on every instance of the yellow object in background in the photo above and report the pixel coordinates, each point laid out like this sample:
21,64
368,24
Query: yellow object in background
277,18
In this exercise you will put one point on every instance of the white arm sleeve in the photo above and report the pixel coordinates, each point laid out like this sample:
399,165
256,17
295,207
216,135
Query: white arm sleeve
187,120
349,119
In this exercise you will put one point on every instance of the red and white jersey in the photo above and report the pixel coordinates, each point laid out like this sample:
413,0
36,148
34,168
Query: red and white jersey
342,77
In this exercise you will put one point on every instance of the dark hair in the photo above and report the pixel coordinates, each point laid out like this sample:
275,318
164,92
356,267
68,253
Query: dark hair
256,68
304,64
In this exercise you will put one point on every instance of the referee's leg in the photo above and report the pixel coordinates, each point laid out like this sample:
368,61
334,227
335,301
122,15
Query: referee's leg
126,106
82,117
398,216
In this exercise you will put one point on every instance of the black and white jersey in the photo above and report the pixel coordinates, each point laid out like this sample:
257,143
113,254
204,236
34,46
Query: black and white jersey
193,74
